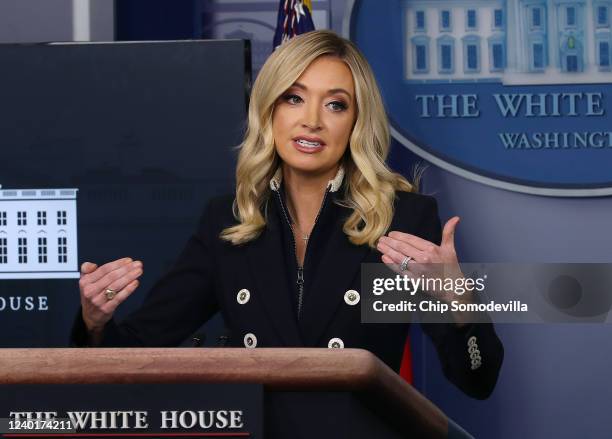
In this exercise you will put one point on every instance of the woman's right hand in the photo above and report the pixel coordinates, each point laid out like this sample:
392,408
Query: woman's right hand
120,276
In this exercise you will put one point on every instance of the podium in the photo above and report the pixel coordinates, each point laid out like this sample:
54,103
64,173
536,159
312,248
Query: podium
322,393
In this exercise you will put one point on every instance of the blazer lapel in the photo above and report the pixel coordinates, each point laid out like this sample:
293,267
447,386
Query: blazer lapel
340,263
267,264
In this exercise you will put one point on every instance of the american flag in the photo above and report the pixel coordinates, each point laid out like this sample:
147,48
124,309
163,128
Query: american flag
294,18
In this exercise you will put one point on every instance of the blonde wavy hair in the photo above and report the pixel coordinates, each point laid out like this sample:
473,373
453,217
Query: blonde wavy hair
369,185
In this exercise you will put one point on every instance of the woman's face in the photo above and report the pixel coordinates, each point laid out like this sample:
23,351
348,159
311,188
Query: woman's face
313,119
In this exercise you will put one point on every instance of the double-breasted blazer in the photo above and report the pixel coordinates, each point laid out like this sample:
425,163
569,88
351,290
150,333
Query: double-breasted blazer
252,286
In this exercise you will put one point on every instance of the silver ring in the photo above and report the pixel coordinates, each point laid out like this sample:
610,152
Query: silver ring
110,293
404,264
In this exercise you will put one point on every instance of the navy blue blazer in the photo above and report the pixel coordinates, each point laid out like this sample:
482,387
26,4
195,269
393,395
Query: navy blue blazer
250,286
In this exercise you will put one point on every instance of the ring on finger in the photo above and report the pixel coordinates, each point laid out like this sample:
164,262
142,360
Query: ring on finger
405,261
110,293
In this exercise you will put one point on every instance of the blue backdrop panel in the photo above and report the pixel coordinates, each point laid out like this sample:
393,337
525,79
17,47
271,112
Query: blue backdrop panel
143,131
490,106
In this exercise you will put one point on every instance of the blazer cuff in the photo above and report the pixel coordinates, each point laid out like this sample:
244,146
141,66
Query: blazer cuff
79,336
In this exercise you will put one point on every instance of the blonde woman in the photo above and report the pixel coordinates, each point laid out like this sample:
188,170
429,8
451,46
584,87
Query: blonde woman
280,258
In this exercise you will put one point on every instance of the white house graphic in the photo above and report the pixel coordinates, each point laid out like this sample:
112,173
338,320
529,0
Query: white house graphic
512,41
38,234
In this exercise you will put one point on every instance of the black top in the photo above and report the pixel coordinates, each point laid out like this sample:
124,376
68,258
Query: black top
322,227
210,273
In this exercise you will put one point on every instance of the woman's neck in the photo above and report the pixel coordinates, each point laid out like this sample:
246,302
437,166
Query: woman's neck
304,192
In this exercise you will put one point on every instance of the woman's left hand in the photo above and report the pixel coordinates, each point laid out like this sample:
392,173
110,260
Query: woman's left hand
424,257
429,260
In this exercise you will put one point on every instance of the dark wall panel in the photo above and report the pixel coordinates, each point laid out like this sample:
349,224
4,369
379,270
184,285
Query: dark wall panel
144,131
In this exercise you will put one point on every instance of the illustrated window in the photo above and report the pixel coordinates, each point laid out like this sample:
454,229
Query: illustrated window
22,218
604,54
62,250
3,251
471,19
602,16
538,56
446,48
498,18
42,218
420,20
420,54
497,55
445,20
570,16
42,250
446,56
536,17
61,218
22,250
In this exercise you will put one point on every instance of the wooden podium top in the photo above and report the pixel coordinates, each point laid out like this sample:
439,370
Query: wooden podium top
278,369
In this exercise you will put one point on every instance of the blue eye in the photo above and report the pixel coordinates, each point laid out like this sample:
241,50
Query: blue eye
292,99
337,106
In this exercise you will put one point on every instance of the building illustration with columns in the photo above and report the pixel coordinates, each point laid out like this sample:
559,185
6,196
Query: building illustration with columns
508,41
38,234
